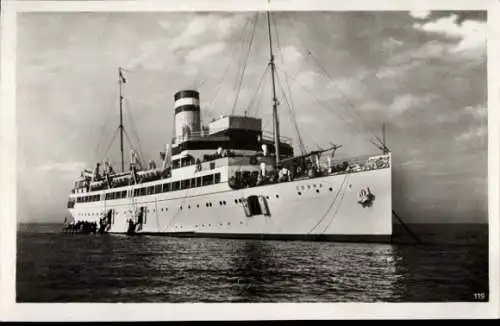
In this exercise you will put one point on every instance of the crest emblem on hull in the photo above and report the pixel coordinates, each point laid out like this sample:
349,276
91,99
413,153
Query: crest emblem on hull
365,197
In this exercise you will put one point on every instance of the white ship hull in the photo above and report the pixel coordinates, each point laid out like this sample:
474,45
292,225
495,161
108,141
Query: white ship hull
323,208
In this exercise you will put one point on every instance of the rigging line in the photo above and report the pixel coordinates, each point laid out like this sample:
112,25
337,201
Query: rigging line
292,114
240,56
246,61
96,151
326,73
258,103
289,103
141,158
110,143
252,101
329,207
324,107
134,129
338,205
345,98
229,62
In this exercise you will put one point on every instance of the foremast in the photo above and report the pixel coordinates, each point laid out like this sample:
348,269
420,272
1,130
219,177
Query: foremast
121,81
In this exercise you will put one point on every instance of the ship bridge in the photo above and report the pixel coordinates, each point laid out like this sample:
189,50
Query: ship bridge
238,135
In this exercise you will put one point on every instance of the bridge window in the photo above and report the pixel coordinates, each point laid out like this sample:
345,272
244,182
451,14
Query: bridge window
157,189
151,190
166,187
208,179
198,182
217,177
185,184
176,185
193,183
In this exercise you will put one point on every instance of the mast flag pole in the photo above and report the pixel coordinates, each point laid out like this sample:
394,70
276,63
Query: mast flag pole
275,100
121,82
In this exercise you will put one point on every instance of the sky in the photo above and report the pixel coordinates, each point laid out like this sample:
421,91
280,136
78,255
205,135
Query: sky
341,76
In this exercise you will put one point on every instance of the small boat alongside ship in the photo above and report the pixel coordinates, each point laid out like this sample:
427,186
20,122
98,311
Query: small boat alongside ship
235,180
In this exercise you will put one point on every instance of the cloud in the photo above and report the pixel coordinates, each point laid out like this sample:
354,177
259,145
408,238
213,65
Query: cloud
470,33
473,137
479,112
206,52
420,14
207,27
70,167
405,102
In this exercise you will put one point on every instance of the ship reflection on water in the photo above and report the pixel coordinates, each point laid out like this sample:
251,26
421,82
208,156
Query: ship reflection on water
253,270
57,267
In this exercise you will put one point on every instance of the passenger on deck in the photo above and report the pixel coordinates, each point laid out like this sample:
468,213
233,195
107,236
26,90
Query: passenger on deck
284,175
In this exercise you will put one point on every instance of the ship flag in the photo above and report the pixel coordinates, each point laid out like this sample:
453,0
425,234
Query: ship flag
122,78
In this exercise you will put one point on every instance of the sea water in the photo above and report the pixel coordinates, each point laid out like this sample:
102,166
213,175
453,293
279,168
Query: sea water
450,266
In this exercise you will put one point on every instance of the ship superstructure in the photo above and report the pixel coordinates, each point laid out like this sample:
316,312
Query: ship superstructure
233,179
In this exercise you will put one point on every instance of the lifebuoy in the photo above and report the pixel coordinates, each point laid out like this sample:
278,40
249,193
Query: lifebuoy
380,163
362,194
253,160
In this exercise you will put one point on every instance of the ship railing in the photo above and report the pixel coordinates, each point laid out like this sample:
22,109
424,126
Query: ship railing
268,135
196,135
360,163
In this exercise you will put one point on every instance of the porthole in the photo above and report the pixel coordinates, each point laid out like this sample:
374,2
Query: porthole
203,225
220,224
277,196
196,226
189,206
154,210
299,193
308,186
314,185
330,189
206,204
220,202
180,208
320,185
236,201
267,197
241,222
198,205
210,225
162,209
228,223
302,187
317,190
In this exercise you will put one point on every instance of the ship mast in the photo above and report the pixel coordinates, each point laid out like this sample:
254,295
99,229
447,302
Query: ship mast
275,100
121,82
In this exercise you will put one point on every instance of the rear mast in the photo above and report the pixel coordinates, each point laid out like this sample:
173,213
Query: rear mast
275,100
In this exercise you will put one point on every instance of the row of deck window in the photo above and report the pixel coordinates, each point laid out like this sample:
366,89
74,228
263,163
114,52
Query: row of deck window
151,190
179,185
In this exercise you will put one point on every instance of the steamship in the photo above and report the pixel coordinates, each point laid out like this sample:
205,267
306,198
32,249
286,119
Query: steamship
235,180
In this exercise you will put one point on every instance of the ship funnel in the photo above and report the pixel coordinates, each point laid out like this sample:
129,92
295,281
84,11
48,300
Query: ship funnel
187,114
